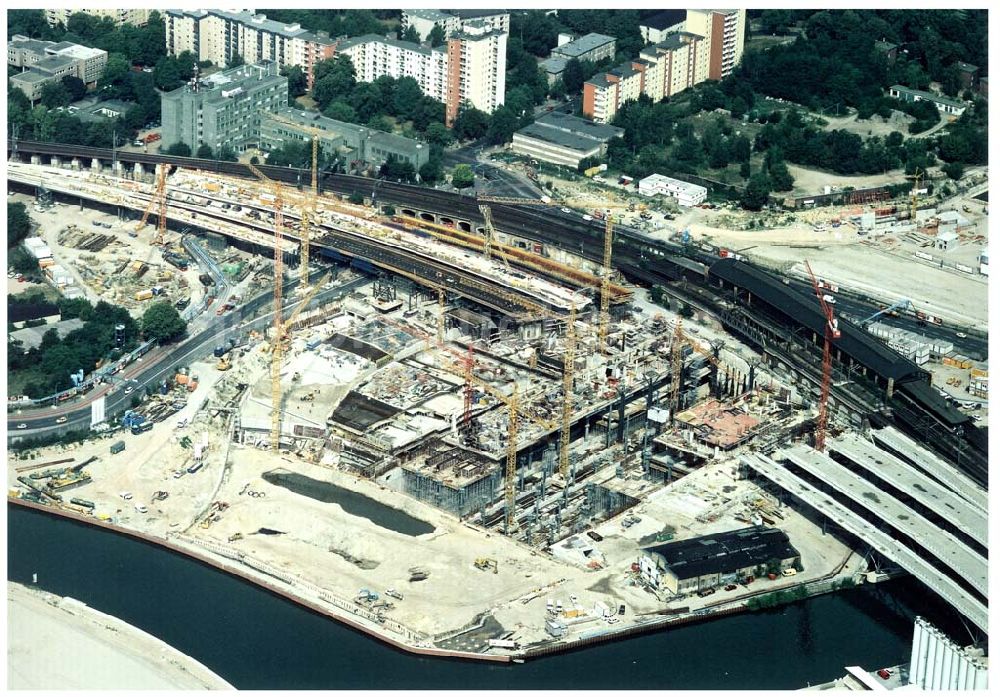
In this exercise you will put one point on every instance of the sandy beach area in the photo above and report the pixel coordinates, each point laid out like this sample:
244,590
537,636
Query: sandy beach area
58,643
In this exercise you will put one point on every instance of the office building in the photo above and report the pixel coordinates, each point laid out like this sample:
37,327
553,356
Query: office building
589,47
724,32
219,36
223,110
48,61
687,194
353,145
709,561
137,16
563,139
452,21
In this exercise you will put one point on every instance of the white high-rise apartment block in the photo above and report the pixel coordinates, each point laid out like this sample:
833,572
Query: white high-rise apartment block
724,33
374,56
137,16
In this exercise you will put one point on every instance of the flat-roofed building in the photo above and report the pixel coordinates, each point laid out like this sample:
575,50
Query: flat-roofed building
686,193
656,28
352,143
563,139
589,47
688,566
424,20
223,110
48,61
948,106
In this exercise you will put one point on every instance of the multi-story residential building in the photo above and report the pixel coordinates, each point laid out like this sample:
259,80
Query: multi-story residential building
374,56
724,32
137,16
219,36
47,61
470,67
223,110
708,48
477,69
658,27
353,144
589,47
452,21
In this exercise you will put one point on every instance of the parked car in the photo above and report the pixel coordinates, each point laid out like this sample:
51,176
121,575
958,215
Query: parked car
21,426
61,420
885,673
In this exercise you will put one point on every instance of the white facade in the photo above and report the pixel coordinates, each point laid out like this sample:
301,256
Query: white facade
687,194
137,16
724,33
374,56
937,663
451,21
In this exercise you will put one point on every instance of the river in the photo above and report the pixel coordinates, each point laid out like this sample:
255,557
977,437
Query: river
257,640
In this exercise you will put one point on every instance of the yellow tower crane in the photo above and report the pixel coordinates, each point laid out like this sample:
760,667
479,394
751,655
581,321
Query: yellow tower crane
159,199
916,176
309,207
569,356
676,358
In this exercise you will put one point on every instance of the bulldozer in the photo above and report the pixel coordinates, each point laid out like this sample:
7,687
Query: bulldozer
223,364
484,564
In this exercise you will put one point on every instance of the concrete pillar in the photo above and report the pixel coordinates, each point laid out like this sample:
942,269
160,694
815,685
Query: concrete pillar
36,160
75,164
138,170
95,166
56,162
888,389
119,168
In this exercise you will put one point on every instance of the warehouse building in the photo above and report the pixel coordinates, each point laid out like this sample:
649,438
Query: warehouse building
223,110
350,142
686,193
563,139
689,566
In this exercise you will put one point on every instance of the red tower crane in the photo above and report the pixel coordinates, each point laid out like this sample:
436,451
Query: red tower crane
830,333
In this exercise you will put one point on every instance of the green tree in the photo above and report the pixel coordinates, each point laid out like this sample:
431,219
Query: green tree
23,262
397,170
55,94
410,35
227,154
954,170
503,123
334,79
179,149
462,177
573,76
18,223
204,152
406,97
162,322
470,123
235,61
438,134
430,171
75,86
296,82
436,36
341,111
380,122
755,195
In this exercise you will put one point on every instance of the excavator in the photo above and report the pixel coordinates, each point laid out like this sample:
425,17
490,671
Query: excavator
484,564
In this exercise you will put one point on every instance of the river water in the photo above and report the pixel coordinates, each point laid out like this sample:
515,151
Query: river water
257,640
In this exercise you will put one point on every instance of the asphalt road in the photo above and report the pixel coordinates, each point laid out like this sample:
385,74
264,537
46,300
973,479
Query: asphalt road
159,364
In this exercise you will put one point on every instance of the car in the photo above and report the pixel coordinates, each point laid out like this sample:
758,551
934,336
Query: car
612,620
129,389
61,420
565,210
588,218
731,587
704,593
594,535
961,335
21,426
829,299
141,508
126,495
885,673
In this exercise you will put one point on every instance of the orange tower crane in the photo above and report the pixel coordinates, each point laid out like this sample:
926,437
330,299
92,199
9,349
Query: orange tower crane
831,332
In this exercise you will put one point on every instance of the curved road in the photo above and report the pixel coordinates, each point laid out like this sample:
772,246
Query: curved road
159,363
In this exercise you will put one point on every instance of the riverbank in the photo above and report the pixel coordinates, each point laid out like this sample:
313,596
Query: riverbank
57,643
397,635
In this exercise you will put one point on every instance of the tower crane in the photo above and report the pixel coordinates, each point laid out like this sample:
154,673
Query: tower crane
569,357
159,199
831,332
916,176
676,359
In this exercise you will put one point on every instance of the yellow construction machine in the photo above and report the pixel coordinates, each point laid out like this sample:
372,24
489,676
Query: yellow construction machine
484,564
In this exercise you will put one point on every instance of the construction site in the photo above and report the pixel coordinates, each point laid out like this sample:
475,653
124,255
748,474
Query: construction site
414,404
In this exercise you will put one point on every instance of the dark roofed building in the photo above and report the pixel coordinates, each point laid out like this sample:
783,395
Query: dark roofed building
968,73
656,27
19,313
703,562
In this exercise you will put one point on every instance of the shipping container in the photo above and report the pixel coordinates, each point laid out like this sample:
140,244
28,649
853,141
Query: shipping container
142,428
144,295
117,447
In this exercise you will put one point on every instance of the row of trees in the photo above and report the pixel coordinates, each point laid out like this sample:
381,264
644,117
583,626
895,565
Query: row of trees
56,358
18,224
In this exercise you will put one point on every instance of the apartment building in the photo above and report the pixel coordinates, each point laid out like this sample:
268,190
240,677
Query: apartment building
477,69
354,144
218,36
470,67
137,16
708,48
47,61
223,110
374,56
452,21
589,47
724,32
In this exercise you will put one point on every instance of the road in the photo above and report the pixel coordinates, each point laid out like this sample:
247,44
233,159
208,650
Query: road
160,363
